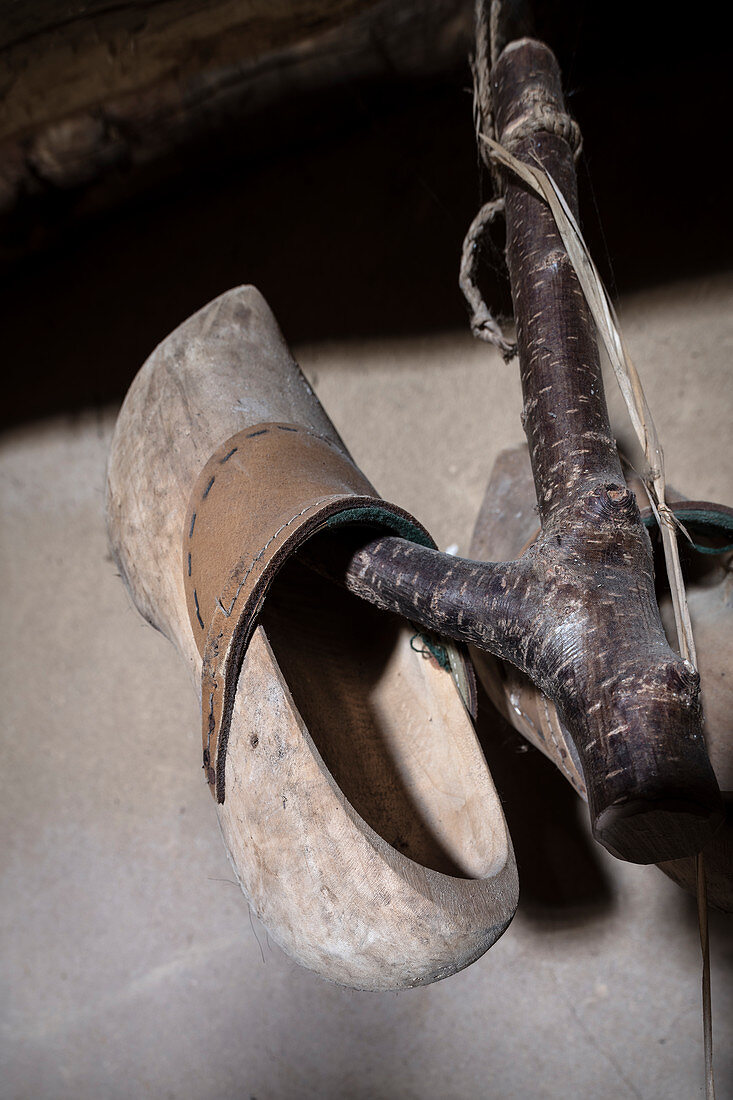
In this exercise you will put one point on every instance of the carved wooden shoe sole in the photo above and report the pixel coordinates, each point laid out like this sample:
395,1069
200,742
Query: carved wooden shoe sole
354,801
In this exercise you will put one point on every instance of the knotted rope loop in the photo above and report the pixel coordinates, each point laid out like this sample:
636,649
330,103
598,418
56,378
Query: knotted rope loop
483,324
538,114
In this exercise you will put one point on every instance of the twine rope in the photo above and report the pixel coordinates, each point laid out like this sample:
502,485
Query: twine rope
535,113
484,325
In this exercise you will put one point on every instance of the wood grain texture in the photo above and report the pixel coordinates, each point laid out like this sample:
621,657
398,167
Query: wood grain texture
360,816
644,764
506,525
577,612
132,92
103,51
506,522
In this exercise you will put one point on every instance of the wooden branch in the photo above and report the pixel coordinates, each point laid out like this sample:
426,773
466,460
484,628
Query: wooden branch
506,523
577,612
203,73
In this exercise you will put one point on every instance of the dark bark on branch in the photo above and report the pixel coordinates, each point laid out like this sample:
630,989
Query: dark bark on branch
577,612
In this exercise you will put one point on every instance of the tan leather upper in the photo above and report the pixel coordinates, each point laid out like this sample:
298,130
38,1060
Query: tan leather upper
260,496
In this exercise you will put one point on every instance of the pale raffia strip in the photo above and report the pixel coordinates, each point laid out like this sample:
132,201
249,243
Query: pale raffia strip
606,323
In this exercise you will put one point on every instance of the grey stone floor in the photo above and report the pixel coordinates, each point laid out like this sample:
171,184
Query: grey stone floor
130,965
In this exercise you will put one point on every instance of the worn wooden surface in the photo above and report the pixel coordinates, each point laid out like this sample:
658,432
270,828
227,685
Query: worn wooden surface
360,817
134,86
100,52
578,611
647,751
506,523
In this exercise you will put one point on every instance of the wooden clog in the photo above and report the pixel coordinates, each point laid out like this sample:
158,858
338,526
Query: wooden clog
354,801
506,524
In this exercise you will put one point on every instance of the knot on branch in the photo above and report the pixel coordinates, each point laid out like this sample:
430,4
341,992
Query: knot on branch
537,111
600,534
607,507
683,679
612,501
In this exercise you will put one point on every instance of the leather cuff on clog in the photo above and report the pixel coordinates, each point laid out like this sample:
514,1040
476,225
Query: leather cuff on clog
261,495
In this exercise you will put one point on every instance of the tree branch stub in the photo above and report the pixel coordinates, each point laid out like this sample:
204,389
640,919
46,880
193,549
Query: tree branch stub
577,612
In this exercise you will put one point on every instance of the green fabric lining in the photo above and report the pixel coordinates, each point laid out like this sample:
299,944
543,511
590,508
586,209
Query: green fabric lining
375,515
710,524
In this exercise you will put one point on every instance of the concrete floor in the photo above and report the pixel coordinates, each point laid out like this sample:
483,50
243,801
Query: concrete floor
130,963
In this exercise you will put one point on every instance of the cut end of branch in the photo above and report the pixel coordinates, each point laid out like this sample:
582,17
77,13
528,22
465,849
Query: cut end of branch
641,831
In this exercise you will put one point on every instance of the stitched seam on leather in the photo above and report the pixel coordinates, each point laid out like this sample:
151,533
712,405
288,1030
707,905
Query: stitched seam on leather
218,685
265,431
258,556
216,680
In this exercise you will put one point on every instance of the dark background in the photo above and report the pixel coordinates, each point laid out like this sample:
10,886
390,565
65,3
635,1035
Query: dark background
347,208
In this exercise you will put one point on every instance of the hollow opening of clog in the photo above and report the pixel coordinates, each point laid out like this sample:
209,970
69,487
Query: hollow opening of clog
388,723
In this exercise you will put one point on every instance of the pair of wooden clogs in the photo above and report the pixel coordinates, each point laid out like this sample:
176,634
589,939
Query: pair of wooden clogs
355,803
